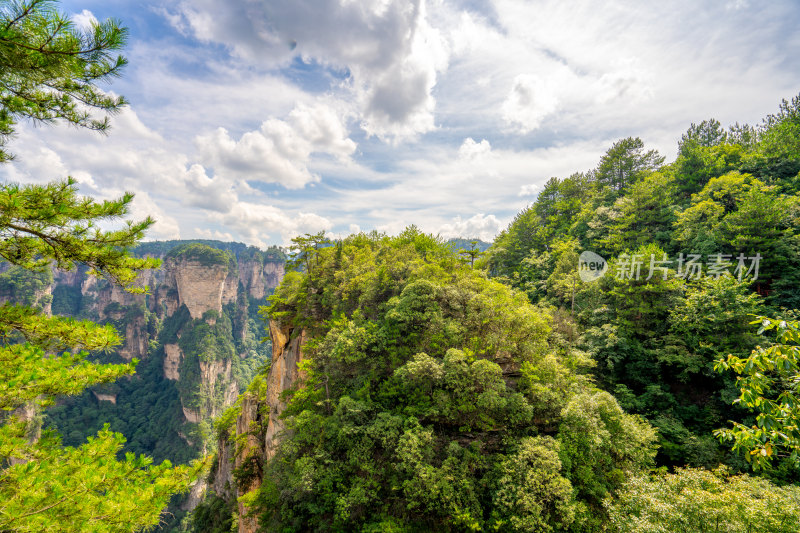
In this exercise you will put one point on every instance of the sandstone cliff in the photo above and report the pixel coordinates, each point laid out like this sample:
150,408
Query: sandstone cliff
287,353
208,360
199,287
173,356
196,332
259,428
257,278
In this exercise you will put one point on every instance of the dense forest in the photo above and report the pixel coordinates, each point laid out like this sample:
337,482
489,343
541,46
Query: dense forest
148,408
655,326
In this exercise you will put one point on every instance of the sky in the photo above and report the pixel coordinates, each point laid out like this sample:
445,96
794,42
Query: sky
256,121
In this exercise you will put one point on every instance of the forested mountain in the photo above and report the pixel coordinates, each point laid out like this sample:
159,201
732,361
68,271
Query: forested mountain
411,390
468,244
429,395
654,324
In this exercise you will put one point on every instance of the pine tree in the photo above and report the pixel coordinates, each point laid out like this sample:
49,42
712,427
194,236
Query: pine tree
49,71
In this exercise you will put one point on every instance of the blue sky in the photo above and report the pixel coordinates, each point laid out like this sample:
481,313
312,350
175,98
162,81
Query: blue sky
256,121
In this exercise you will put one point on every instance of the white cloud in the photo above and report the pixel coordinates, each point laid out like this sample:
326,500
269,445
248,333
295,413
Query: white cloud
530,100
280,151
38,164
529,190
275,102
484,227
259,224
737,4
213,193
400,103
84,20
165,227
213,234
392,227
391,51
471,150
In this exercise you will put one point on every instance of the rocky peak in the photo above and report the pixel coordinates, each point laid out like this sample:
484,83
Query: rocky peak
260,446
200,286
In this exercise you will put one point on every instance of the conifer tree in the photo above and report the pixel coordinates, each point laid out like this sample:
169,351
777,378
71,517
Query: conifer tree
49,71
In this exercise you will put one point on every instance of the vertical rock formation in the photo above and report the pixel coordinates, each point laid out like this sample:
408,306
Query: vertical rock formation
258,425
287,353
257,277
199,286
173,356
136,339
101,397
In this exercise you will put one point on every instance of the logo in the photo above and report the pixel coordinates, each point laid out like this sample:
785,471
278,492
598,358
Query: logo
591,266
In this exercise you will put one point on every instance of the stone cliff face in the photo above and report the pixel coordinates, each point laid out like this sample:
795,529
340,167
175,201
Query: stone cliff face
287,353
198,325
136,339
218,386
173,356
257,278
183,280
101,300
259,424
105,397
199,287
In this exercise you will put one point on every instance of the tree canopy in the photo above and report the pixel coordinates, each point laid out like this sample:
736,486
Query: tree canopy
720,223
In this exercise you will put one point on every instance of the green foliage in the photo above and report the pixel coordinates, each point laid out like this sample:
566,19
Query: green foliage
304,248
147,411
241,251
530,494
24,287
698,500
644,215
51,69
625,163
205,255
601,445
711,321
459,243
40,224
66,300
768,381
208,342
47,487
28,375
655,341
697,164
470,254
213,515
707,133
780,138
514,243
58,489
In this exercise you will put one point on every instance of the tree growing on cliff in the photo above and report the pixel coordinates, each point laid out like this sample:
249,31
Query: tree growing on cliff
48,71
